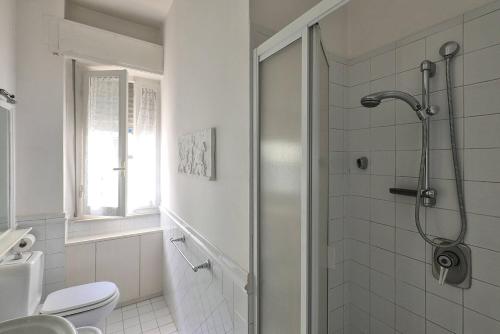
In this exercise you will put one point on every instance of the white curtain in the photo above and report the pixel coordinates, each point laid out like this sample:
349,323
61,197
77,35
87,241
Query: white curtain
142,171
102,146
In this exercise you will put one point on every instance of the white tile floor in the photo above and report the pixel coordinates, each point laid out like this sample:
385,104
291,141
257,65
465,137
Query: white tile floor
148,317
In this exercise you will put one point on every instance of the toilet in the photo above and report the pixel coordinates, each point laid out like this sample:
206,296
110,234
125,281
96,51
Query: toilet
83,305
21,282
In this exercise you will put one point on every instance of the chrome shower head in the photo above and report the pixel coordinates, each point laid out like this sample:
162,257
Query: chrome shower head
449,49
373,100
370,101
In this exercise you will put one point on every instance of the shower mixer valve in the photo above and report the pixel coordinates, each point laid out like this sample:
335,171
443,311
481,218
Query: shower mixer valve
451,265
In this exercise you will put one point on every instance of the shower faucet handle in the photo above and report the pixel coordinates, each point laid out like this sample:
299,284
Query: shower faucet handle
446,261
443,273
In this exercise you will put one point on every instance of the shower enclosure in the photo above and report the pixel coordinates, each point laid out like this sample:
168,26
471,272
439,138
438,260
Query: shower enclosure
392,225
291,165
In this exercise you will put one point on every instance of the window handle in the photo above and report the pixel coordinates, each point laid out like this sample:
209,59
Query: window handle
119,168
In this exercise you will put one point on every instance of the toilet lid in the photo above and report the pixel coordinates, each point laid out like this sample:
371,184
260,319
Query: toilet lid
77,297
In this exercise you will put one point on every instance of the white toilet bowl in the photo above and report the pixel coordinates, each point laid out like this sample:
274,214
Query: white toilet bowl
88,330
21,292
83,305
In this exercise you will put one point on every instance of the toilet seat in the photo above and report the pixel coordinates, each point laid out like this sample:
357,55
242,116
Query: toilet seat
81,298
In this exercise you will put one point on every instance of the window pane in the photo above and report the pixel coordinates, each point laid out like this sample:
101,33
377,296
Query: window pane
102,146
142,150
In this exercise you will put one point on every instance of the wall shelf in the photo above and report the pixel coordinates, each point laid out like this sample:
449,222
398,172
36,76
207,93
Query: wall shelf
10,239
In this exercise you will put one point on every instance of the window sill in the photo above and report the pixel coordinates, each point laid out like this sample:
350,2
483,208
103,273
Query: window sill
153,212
111,236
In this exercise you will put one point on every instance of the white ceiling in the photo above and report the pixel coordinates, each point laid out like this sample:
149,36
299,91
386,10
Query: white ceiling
147,12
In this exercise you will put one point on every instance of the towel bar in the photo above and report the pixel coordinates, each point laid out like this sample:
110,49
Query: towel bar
204,265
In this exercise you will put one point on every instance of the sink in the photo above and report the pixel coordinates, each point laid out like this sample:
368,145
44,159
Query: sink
40,324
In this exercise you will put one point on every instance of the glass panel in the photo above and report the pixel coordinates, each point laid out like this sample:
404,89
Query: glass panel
4,170
280,201
143,149
102,146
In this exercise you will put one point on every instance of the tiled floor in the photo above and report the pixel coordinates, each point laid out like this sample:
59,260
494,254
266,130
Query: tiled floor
148,317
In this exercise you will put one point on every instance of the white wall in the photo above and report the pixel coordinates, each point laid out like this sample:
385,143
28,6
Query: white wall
373,24
7,41
207,76
275,15
39,114
115,24
362,25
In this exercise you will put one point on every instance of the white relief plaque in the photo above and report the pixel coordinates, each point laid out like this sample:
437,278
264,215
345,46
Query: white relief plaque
197,153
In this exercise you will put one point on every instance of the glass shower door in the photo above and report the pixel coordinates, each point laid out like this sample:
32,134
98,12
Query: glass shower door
291,185
281,191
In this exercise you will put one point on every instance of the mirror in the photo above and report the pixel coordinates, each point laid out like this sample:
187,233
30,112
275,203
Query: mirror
5,144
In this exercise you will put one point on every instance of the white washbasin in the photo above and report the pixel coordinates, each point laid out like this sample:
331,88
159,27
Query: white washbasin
40,324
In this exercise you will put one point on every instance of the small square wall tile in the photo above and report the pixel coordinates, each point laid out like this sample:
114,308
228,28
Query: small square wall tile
410,298
54,229
54,246
383,65
408,322
483,298
482,65
358,73
410,56
477,323
482,32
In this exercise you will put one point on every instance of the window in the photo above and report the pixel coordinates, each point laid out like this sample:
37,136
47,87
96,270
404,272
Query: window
117,144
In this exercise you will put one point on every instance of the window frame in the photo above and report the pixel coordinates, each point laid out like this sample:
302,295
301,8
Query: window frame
82,91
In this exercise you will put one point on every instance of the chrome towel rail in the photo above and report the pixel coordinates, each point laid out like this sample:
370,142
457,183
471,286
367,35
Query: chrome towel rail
204,265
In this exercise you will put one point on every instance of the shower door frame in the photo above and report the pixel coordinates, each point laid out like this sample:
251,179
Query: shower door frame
303,36
300,29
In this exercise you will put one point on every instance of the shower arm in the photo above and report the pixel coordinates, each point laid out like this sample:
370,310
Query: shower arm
428,70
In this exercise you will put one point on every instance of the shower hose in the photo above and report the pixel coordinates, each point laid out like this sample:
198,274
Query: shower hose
456,168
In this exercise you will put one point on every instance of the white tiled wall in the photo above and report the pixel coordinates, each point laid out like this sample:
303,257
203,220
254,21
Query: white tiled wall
383,283
50,239
49,235
208,301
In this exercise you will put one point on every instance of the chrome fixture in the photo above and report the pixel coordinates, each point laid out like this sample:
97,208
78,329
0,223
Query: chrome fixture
428,194
204,265
362,162
424,110
451,265
11,98
373,100
449,49
450,259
